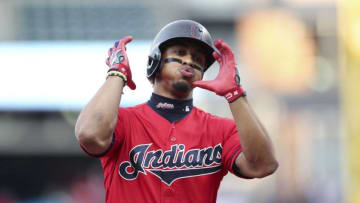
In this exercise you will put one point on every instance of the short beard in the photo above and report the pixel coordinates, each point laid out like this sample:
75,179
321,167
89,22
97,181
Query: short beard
181,87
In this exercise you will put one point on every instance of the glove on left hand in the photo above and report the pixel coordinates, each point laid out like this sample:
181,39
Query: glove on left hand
227,82
119,61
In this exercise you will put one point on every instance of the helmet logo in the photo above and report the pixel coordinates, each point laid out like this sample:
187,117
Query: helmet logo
196,32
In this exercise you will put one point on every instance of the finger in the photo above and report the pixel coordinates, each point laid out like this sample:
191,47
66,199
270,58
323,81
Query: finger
116,44
216,56
224,52
218,44
204,84
110,51
124,41
107,61
131,84
127,39
227,50
223,47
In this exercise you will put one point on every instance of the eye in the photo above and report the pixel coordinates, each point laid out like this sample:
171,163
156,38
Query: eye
197,59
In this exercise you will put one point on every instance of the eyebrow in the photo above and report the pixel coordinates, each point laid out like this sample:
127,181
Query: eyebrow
186,45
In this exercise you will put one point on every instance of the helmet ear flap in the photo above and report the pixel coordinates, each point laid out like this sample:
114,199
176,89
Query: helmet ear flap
153,63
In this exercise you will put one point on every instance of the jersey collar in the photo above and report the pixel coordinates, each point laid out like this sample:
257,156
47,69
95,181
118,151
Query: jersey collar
171,109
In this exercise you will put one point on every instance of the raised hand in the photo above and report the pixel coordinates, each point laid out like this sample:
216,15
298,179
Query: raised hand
118,62
227,82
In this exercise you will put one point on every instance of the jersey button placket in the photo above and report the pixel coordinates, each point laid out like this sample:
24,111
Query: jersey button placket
169,196
167,192
171,135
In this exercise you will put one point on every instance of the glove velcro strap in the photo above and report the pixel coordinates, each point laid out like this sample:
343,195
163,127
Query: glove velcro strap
234,94
116,73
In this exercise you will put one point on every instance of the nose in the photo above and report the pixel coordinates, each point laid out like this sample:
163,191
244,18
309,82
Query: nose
187,59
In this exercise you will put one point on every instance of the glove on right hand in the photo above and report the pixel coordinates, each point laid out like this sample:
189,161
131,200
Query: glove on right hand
119,61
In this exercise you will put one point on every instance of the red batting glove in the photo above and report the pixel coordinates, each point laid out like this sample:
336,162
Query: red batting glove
119,61
227,82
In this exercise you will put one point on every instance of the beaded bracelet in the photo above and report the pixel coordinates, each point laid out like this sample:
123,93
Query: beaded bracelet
116,73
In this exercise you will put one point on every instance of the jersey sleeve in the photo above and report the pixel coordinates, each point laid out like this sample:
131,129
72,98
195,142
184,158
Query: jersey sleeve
121,130
118,135
231,146
109,159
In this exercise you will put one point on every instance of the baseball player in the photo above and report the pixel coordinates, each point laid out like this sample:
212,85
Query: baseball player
167,150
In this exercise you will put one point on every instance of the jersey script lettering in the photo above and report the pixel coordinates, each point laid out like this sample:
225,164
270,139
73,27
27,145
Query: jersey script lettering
172,164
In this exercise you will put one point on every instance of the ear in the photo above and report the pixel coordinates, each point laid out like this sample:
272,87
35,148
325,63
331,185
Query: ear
157,75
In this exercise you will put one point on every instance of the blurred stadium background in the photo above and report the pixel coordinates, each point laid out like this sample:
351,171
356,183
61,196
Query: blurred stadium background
299,61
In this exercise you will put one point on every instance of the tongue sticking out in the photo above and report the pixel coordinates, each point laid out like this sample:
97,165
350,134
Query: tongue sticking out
187,72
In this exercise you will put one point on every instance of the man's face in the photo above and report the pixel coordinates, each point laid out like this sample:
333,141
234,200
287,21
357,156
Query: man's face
176,76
